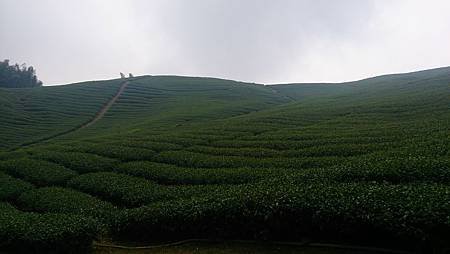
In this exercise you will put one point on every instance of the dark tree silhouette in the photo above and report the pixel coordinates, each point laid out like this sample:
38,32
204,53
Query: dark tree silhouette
17,76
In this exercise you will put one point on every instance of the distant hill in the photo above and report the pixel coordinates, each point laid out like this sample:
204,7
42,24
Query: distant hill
173,101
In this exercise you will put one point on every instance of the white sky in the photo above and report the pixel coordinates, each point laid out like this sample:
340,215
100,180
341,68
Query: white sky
276,41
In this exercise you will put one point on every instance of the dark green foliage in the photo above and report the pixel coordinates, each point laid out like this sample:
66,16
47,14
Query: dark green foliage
80,162
148,144
13,155
120,189
170,174
24,232
30,115
62,200
11,188
395,170
245,151
364,212
198,160
123,153
15,76
39,172
131,191
363,162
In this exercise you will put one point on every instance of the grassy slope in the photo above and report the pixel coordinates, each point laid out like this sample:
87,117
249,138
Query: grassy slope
171,102
294,150
31,114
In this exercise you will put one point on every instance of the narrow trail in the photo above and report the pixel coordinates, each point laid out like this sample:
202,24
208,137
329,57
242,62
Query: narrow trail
278,93
97,117
105,108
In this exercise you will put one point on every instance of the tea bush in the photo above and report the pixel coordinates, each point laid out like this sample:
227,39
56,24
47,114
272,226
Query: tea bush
24,232
63,200
170,174
120,189
41,173
395,170
80,162
11,188
350,212
122,153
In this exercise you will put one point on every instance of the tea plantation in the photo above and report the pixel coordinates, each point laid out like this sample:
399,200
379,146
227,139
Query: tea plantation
364,162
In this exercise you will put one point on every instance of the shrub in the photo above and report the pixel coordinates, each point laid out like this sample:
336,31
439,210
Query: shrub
170,174
39,172
131,191
120,189
198,160
281,209
80,162
11,188
61,200
25,232
256,152
123,153
394,170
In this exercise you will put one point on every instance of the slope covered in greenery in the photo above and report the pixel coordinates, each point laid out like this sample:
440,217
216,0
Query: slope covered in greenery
364,162
29,115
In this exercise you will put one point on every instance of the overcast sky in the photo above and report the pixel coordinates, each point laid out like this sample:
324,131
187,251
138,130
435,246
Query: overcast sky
262,41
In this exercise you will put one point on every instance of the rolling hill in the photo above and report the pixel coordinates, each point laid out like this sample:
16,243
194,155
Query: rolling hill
363,162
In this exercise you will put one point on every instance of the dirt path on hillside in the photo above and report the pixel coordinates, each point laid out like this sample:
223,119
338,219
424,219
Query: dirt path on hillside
97,117
105,108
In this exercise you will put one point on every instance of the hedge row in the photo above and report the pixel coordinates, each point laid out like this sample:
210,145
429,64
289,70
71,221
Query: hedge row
362,213
11,188
199,160
129,191
313,151
171,174
41,173
256,152
122,153
120,189
24,232
80,162
393,170
155,146
63,200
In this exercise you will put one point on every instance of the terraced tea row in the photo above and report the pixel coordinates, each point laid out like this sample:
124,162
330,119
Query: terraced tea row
28,115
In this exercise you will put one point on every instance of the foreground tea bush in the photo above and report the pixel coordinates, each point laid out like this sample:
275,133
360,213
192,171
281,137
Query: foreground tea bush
11,188
24,232
370,213
61,200
38,172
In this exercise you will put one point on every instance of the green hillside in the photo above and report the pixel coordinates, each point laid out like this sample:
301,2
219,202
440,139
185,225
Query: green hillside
364,162
28,114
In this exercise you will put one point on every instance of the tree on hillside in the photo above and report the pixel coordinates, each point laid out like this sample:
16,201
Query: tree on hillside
17,76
